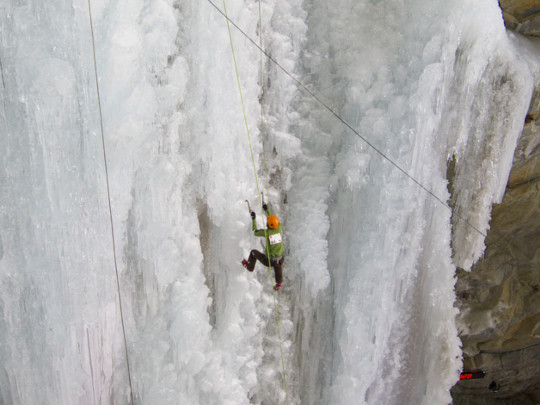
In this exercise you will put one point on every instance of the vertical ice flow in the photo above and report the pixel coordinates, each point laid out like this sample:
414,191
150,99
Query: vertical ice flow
366,313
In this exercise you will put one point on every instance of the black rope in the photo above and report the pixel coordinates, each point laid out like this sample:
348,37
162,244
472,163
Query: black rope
110,205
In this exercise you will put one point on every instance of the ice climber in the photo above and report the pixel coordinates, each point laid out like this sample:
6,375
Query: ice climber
274,245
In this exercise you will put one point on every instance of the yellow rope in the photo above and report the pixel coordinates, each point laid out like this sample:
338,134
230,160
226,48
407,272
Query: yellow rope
257,182
267,194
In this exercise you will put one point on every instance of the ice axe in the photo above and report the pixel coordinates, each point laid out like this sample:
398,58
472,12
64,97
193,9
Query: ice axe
249,207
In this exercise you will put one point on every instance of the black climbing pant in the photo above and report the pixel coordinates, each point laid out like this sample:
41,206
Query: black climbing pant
274,262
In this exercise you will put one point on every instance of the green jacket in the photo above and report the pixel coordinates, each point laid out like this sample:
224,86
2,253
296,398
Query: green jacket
274,238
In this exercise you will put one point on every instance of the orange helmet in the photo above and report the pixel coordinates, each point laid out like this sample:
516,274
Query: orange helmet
272,222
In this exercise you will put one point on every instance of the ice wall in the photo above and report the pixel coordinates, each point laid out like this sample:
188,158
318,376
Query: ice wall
60,331
181,170
366,313
424,84
199,329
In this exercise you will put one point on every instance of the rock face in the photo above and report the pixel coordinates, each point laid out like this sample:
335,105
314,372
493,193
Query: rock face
522,16
499,300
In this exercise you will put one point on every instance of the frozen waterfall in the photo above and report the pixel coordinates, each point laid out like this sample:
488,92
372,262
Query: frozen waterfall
145,300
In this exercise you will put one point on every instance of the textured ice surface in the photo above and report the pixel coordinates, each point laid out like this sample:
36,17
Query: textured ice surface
366,313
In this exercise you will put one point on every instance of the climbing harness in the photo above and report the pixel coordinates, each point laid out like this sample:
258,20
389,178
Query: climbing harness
109,203
260,195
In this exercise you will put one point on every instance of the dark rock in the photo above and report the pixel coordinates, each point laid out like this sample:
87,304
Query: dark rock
522,16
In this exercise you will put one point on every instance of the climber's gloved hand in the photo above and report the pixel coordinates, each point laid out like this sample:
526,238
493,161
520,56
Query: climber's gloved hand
265,207
252,214
277,287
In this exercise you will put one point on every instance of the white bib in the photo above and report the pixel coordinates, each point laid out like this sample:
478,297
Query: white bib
275,239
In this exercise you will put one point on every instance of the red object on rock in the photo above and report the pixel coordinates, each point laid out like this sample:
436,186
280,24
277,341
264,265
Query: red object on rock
472,375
